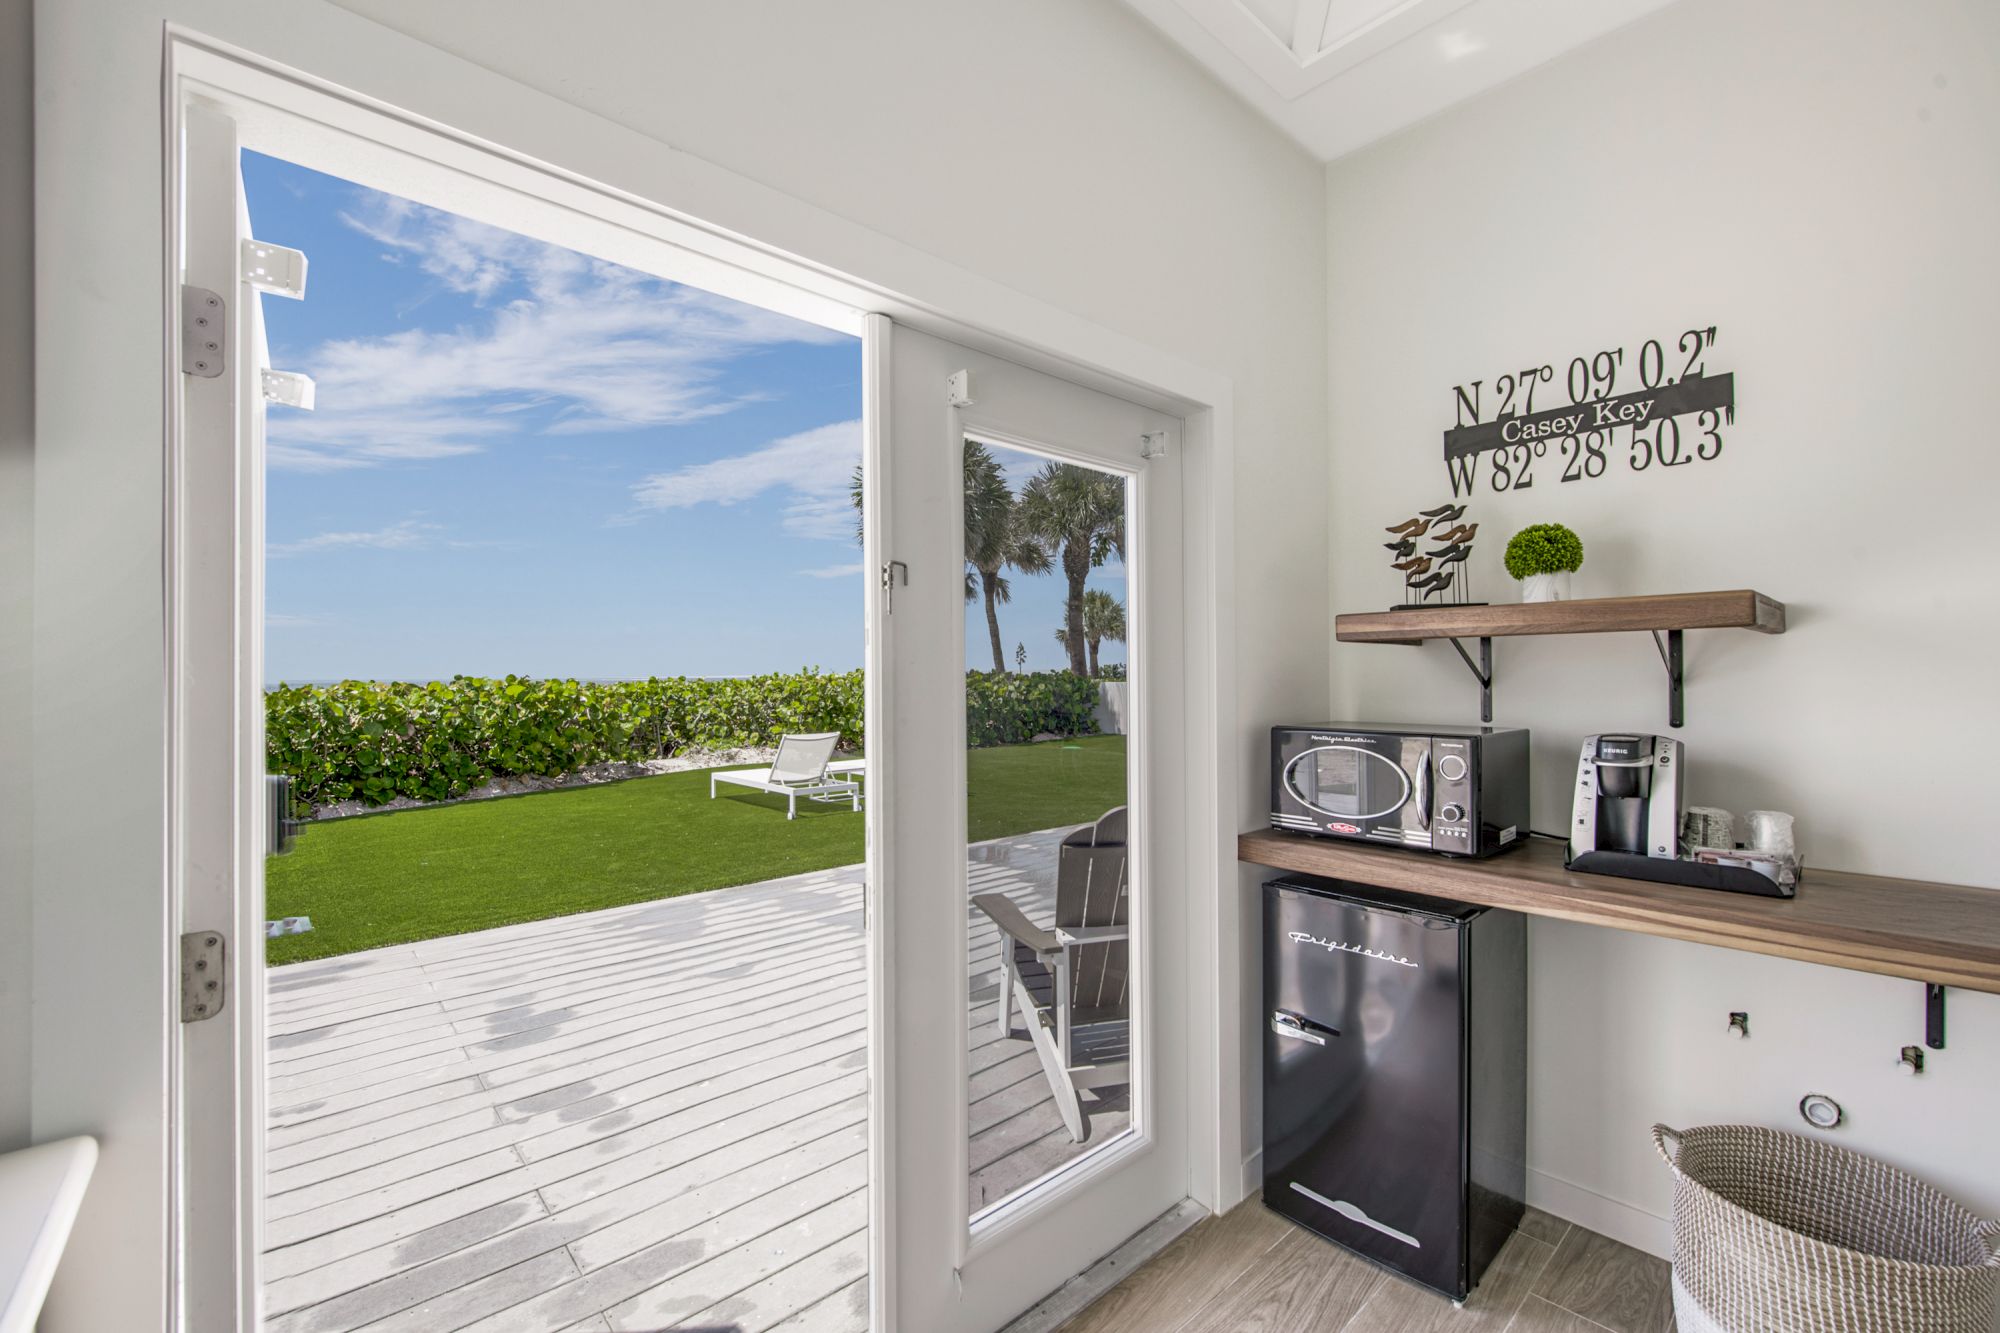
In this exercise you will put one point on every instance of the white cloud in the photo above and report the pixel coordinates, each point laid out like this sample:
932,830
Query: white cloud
467,256
833,571
814,467
292,620
603,347
339,437
395,537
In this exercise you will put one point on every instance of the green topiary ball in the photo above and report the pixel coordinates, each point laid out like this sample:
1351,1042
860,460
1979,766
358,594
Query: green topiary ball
1544,548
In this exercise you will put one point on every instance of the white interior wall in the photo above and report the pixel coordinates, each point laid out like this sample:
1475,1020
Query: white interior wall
1818,178
1044,148
17,540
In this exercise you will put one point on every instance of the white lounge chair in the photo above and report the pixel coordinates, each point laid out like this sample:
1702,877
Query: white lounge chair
801,768
1070,980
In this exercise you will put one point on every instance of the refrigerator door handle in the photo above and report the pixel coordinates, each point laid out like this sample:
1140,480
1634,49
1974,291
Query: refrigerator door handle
1300,1028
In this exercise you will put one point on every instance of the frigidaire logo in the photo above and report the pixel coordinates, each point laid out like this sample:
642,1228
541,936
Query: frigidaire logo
1341,946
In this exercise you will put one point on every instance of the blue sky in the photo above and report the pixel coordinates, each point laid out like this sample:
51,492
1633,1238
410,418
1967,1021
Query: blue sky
526,460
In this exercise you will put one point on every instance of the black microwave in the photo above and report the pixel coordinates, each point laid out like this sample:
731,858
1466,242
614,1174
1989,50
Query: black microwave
1458,790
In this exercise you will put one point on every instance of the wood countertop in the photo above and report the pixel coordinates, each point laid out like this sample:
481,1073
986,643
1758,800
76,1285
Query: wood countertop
1943,933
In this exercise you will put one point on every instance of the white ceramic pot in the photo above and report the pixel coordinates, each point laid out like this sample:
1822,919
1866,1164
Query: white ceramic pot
1546,587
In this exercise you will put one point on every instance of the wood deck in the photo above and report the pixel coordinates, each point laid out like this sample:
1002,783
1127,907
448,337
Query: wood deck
645,1118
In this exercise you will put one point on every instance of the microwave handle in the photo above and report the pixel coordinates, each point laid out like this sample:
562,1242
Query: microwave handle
1424,789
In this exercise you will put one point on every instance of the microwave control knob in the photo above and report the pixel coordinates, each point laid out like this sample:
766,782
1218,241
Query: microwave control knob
1451,814
1452,768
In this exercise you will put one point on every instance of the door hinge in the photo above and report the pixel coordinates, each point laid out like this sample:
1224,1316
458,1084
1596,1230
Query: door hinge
204,982
274,269
202,320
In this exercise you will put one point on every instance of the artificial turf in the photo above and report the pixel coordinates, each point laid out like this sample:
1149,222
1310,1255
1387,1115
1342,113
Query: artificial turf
410,875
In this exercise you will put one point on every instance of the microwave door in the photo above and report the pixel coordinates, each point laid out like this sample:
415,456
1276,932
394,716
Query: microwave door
1354,787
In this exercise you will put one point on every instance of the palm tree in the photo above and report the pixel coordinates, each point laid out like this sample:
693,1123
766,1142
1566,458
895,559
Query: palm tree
994,538
1081,513
1103,618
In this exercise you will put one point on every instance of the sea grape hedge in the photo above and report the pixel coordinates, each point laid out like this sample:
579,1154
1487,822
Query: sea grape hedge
376,741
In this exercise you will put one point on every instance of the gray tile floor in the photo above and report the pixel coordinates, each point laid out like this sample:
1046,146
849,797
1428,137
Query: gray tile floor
1253,1270
645,1118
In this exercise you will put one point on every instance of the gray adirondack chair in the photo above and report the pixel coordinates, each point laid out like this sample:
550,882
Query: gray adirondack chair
1071,981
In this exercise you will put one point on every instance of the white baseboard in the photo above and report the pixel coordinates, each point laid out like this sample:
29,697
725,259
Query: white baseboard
1253,1177
1607,1217
1069,1300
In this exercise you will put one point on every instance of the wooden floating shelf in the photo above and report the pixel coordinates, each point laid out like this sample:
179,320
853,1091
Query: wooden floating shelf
1741,609
1669,614
1942,934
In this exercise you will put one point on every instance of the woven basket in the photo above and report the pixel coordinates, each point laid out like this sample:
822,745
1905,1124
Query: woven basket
1774,1233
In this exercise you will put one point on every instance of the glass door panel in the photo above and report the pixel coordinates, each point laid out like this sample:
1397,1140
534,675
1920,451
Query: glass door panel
1049,949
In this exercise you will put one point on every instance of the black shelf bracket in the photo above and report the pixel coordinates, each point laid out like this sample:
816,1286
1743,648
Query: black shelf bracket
1934,1015
1483,673
1670,654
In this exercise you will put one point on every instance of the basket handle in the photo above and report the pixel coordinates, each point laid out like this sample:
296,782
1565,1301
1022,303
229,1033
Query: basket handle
1989,1232
1660,1136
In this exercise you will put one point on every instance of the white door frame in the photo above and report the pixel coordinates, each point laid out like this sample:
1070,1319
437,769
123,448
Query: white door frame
215,738
281,110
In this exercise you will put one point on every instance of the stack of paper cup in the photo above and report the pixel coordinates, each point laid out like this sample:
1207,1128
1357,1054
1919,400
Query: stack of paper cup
1771,831
1707,826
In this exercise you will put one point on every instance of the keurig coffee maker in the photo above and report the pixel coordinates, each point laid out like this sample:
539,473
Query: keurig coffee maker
1625,818
1628,797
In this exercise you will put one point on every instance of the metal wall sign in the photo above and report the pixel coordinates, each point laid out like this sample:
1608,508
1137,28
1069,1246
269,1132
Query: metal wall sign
1659,407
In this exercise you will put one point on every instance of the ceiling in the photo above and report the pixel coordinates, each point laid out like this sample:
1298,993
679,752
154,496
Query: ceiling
1339,74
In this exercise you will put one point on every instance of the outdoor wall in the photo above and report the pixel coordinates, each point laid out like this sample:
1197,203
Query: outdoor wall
1051,149
1817,178
17,552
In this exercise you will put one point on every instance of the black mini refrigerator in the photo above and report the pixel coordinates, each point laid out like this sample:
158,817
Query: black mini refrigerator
1395,1074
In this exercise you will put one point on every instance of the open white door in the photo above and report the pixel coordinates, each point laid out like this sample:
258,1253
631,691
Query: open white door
989,1207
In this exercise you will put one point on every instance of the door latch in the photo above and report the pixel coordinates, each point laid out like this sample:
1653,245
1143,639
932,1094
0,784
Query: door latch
890,569
204,983
276,269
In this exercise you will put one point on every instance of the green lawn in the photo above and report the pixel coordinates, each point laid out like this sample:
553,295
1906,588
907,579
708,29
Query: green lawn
416,874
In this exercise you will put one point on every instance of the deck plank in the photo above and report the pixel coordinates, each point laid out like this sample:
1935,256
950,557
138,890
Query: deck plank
407,1236
590,1089
644,1117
